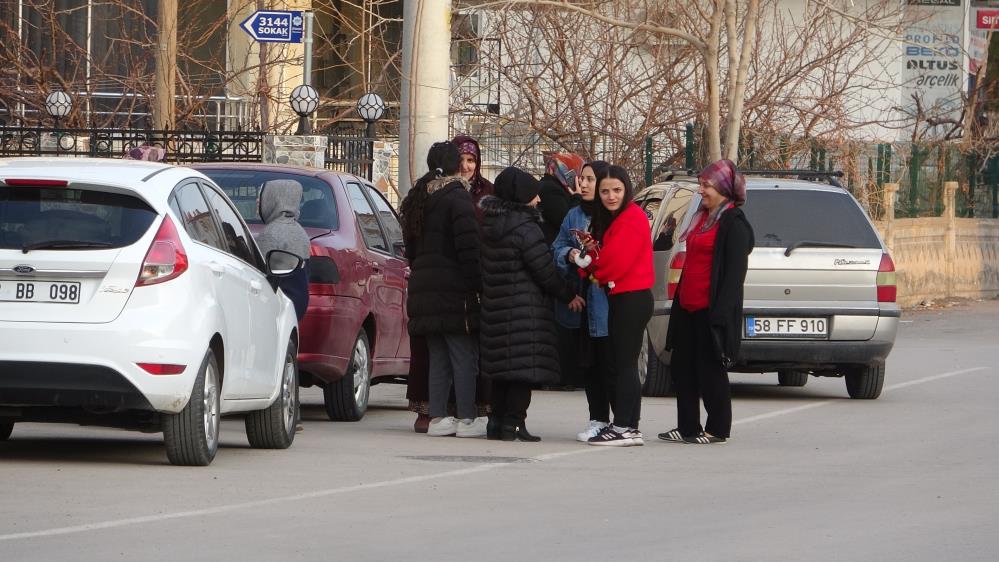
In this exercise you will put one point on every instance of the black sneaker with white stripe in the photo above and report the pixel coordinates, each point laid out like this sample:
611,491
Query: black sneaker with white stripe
704,439
610,438
673,436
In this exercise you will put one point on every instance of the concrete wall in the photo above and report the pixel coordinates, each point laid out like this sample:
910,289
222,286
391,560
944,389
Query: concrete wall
942,256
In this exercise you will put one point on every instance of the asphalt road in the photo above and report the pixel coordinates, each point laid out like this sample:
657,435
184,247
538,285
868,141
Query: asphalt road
808,475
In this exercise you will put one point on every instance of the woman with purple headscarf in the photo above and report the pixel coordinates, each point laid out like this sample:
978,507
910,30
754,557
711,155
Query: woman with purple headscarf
705,323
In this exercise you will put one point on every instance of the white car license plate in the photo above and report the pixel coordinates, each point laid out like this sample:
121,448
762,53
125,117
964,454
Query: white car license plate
65,292
775,327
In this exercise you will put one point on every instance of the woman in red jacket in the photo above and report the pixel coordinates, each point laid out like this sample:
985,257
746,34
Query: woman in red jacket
622,262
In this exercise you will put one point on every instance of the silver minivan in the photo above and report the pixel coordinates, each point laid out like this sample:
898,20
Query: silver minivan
819,293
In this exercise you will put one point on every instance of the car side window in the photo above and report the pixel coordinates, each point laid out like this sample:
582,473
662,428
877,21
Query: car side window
366,219
390,222
651,208
237,239
673,211
190,205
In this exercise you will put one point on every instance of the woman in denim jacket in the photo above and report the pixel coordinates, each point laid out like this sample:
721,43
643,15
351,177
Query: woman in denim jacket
595,356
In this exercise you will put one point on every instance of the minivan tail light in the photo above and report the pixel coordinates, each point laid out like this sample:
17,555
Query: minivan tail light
675,269
166,258
887,288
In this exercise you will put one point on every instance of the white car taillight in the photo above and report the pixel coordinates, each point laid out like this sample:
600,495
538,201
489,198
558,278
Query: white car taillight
887,288
166,258
675,269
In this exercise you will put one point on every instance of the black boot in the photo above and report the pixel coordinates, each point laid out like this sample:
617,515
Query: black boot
494,429
518,433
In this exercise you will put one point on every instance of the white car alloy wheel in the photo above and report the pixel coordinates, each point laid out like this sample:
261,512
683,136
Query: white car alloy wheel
210,401
192,435
274,426
289,391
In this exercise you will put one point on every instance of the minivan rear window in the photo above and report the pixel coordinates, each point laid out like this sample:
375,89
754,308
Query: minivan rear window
71,219
318,208
781,218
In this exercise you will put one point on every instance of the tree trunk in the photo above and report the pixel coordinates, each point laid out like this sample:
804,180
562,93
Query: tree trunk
713,82
737,78
166,65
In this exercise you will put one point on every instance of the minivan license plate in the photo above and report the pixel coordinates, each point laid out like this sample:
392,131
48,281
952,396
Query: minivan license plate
66,292
773,327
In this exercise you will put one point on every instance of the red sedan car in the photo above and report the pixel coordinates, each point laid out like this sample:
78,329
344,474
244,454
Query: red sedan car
354,332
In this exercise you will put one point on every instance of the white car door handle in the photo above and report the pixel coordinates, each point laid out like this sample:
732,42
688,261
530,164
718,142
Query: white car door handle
255,287
216,268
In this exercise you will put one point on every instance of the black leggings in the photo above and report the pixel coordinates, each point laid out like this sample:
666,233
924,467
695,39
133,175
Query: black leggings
629,314
698,374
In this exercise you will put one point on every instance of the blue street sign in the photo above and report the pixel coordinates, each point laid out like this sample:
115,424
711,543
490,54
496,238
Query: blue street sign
275,26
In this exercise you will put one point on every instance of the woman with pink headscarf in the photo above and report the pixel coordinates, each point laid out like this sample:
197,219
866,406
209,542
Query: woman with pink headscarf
705,323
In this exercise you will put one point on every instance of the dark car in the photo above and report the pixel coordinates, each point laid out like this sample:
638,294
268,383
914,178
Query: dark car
819,293
354,332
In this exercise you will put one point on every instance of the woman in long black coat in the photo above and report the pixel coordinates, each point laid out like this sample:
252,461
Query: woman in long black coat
518,344
442,244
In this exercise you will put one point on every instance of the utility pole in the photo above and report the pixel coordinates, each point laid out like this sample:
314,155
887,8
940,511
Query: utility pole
166,65
426,71
263,80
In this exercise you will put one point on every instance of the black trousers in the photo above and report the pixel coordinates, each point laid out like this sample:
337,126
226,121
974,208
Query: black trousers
510,400
698,374
629,314
600,381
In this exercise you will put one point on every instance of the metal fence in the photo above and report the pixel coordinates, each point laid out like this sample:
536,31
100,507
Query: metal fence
181,146
920,169
350,152
125,110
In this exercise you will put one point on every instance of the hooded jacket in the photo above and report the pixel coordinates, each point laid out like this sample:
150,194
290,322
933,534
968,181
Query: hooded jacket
445,280
518,340
280,201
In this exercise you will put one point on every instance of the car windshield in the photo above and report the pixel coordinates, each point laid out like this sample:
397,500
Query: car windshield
242,186
782,218
70,219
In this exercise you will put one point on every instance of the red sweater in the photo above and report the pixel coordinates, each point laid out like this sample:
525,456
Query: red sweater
695,289
625,256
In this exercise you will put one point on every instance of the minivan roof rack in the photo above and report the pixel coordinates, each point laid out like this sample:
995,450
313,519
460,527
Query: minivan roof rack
803,174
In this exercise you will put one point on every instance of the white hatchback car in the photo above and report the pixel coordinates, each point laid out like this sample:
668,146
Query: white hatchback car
133,295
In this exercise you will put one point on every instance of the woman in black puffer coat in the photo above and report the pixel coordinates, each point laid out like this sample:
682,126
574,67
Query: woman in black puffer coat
442,244
517,339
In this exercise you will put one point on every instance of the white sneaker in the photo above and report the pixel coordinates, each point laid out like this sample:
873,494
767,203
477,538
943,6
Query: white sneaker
472,428
592,429
442,427
636,437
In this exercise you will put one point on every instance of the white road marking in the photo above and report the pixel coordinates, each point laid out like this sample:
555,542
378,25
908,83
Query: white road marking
412,479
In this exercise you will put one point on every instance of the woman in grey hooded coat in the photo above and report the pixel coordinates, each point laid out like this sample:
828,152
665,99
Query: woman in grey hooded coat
278,205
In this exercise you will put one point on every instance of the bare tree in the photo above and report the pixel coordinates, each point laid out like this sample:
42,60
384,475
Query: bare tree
806,76
46,46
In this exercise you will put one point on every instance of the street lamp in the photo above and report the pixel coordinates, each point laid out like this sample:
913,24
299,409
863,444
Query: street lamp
304,100
58,104
371,107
